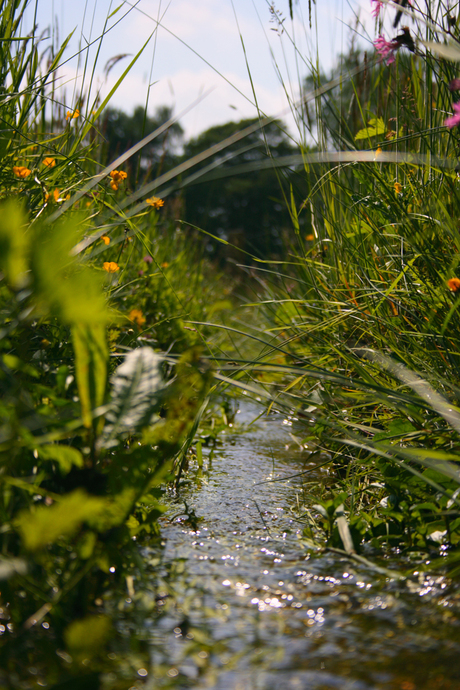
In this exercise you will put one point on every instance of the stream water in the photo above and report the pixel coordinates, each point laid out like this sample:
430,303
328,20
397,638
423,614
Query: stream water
248,607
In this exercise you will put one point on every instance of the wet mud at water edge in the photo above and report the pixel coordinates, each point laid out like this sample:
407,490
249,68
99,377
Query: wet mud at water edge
246,606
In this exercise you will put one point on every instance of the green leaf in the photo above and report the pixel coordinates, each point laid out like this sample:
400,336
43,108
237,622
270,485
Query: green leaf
91,356
65,456
86,636
136,390
44,525
375,127
13,243
63,286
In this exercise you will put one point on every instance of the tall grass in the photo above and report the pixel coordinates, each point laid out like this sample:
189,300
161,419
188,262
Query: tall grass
106,308
367,303
97,282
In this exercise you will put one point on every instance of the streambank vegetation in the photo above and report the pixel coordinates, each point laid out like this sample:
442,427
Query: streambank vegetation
121,324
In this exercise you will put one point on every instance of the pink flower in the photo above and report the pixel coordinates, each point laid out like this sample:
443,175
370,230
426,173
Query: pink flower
455,119
454,85
386,49
377,6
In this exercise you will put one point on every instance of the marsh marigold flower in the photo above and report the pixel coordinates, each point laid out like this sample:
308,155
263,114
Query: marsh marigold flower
454,284
118,175
21,171
398,188
111,267
105,239
137,316
72,116
155,202
49,162
54,197
117,178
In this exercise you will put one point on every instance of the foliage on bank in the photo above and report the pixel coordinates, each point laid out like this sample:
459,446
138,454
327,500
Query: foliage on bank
367,307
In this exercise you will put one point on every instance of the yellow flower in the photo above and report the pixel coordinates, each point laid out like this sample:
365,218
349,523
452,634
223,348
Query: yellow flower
56,194
72,116
118,175
310,238
378,152
117,178
137,316
398,188
105,239
21,171
49,162
155,202
454,284
164,264
111,267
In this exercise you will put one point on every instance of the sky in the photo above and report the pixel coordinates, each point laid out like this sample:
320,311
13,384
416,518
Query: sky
233,49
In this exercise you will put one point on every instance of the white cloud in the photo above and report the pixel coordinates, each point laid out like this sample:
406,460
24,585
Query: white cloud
209,28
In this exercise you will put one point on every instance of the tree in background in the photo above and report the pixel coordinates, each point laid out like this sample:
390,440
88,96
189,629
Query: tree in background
247,208
121,131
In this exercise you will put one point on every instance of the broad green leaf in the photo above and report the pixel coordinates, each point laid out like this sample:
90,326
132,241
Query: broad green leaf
65,456
13,243
375,127
135,395
44,525
63,286
86,636
91,356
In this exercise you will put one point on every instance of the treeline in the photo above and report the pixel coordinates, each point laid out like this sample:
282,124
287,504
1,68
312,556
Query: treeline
231,195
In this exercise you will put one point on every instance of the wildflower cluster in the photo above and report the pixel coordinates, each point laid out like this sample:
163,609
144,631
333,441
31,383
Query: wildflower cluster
111,266
376,7
117,178
454,120
454,284
54,196
72,115
155,202
386,49
136,316
21,171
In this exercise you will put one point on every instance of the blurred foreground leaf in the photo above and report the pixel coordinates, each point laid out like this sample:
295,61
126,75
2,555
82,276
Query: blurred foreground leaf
136,387
38,527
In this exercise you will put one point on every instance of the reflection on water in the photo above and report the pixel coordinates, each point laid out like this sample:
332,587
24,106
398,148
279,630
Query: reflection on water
247,607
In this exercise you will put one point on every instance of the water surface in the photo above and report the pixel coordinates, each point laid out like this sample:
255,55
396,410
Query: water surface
249,607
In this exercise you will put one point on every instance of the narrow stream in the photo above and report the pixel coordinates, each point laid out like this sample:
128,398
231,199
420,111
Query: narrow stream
253,609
